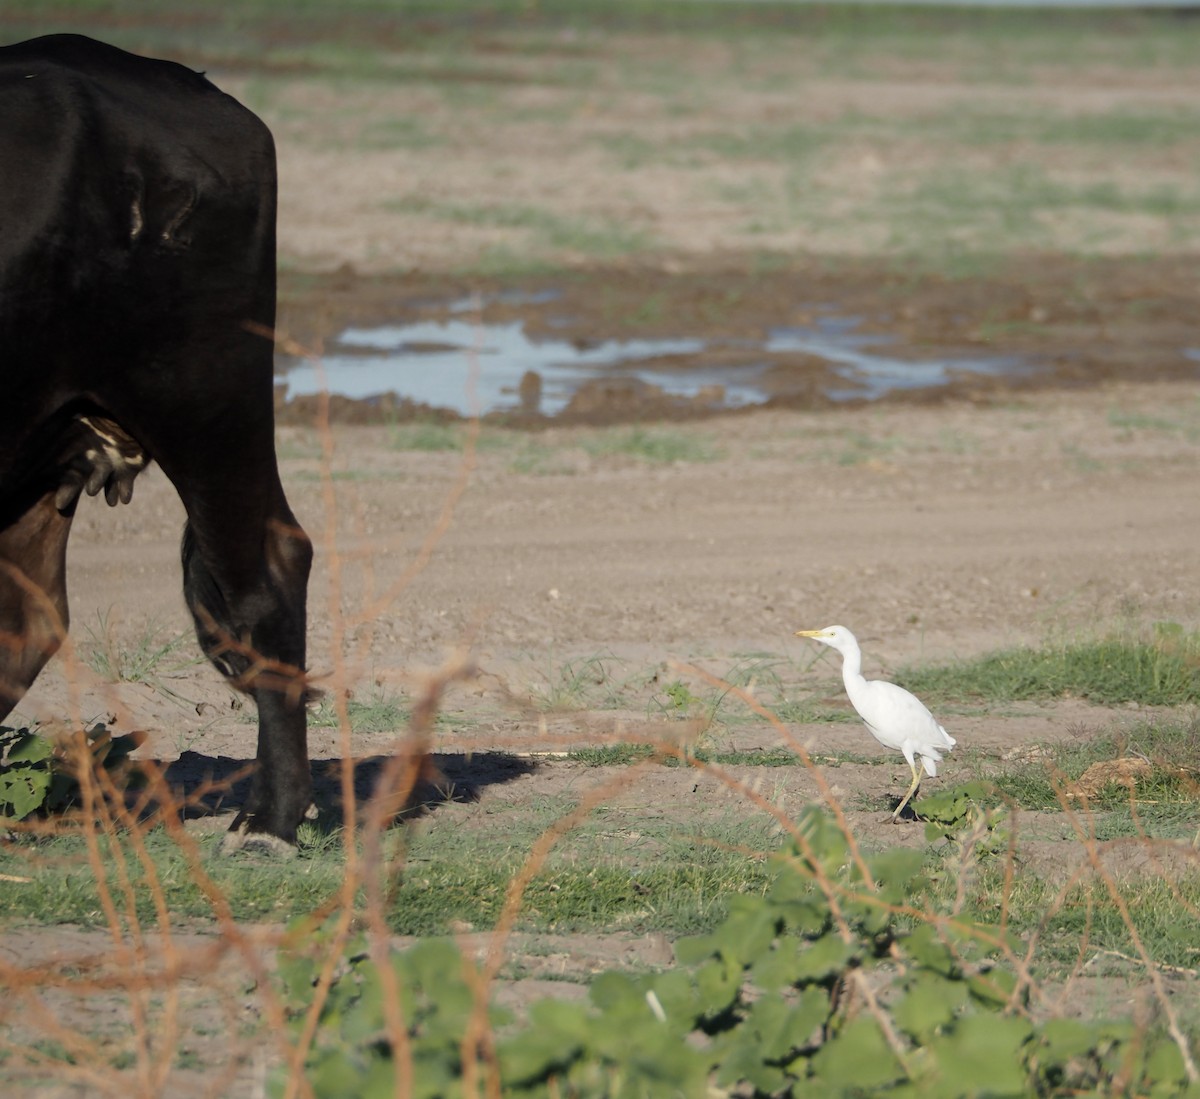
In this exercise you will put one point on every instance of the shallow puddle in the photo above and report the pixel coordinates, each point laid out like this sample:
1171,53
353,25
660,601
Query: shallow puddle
471,367
861,360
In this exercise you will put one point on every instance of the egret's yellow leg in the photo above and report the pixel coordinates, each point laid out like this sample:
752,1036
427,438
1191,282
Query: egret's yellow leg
916,774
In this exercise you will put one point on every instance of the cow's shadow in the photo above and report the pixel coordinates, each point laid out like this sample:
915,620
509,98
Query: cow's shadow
206,785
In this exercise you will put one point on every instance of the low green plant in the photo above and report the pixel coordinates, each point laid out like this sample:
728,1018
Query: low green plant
970,813
25,772
825,985
40,775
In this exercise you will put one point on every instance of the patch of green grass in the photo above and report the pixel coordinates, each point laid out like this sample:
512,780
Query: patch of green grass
63,888
382,713
426,435
1085,922
535,458
1170,747
614,755
393,132
1131,422
1000,209
611,755
676,882
145,659
1121,127
617,871
804,712
656,446
790,144
1164,671
578,684
547,230
683,897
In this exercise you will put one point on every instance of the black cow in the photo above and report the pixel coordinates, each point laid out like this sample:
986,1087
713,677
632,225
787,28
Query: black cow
137,295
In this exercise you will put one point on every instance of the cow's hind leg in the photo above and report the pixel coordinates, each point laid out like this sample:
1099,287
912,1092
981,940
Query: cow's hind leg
91,453
245,581
33,596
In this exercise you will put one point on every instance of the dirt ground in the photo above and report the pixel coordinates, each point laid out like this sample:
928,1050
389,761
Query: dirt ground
938,530
938,527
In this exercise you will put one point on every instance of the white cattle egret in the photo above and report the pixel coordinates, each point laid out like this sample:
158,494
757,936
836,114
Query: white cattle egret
895,717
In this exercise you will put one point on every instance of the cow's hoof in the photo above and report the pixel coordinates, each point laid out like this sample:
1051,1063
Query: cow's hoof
257,843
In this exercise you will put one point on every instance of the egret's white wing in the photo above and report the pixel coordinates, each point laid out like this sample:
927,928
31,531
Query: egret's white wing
896,717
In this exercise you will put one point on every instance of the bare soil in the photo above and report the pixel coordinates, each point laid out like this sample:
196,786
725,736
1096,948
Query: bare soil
938,527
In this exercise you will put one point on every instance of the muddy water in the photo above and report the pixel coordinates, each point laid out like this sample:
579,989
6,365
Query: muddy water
622,344
471,367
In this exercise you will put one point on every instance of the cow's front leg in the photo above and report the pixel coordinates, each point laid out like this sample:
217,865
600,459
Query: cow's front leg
250,620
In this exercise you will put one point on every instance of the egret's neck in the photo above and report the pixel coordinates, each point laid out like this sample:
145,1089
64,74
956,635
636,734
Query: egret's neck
852,672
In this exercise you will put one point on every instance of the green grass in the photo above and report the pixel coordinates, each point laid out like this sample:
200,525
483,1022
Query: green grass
615,755
1169,792
64,889
682,897
578,684
660,447
1111,671
1085,922
589,237
382,713
623,869
427,435
150,655
682,884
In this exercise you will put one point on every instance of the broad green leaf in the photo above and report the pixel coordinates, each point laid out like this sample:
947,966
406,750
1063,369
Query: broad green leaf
994,987
924,945
717,985
1164,1067
569,1021
930,1004
823,958
748,930
1062,1039
611,990
336,1073
694,949
24,789
677,996
982,1056
535,1054
364,1019
30,748
897,868
857,1057
742,1063
432,961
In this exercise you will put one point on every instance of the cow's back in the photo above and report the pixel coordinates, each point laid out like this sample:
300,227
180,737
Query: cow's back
137,215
